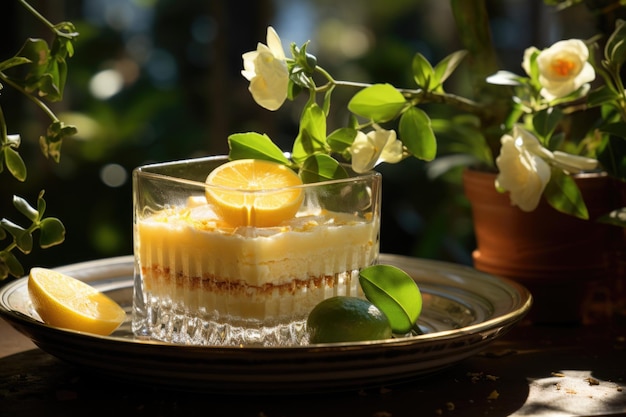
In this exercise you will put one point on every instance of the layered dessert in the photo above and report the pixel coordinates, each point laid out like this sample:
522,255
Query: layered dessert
251,277
201,280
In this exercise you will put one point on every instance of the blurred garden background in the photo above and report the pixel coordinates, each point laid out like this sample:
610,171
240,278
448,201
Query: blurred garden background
159,80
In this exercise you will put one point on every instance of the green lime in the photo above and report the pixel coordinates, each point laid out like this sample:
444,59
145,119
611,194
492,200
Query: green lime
347,319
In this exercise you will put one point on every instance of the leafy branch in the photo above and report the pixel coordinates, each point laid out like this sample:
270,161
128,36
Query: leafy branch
38,72
370,106
52,232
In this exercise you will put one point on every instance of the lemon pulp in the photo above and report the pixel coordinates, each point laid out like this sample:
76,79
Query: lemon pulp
66,302
253,192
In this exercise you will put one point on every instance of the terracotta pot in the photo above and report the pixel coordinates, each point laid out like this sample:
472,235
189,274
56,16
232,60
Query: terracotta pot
558,257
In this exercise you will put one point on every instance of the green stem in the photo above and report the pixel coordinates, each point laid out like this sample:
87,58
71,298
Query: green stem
422,96
3,128
417,95
326,75
460,103
416,330
45,21
32,98
622,101
472,23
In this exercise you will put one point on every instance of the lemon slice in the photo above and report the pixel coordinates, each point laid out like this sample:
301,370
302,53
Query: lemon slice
66,302
254,192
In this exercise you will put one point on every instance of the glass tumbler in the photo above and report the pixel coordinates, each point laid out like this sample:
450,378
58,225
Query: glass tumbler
201,281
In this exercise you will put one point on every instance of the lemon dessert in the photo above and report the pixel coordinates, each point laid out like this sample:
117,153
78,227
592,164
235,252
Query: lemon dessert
243,256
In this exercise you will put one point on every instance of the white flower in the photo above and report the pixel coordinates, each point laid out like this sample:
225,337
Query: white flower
373,148
266,69
523,172
574,163
563,68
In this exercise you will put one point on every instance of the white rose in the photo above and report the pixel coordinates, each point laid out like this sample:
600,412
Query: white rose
266,69
522,172
373,148
563,68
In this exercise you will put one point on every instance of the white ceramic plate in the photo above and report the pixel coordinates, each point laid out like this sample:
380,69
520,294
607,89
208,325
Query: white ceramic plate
463,311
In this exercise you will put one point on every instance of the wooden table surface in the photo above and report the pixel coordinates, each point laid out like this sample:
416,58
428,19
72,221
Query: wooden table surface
532,370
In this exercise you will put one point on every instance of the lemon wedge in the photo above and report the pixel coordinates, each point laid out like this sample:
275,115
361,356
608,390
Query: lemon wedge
254,192
66,302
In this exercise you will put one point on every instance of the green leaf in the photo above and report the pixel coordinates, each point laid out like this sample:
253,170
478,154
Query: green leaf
616,217
22,237
327,101
11,265
293,89
50,144
26,209
4,268
14,229
417,134
616,129
36,51
24,242
423,72
601,96
395,293
353,197
563,194
546,121
611,152
446,66
379,102
300,81
302,58
253,145
43,74
13,62
52,232
41,203
556,141
311,137
47,68
15,164
321,167
341,139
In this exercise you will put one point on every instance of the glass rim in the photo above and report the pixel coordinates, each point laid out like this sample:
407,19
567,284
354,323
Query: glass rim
144,171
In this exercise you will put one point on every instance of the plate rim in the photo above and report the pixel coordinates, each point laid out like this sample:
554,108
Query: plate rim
110,267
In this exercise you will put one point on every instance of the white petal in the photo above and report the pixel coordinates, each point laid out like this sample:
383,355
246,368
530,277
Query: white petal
274,43
363,153
575,163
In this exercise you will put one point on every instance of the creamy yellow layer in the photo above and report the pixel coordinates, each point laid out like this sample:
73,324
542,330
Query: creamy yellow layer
192,243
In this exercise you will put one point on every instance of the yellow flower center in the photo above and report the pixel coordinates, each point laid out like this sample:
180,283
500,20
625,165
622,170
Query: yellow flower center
563,67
